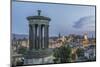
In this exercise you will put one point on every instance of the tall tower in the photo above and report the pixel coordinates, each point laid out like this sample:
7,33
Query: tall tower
38,39
59,35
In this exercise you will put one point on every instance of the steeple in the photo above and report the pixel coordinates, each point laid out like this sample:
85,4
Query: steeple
59,35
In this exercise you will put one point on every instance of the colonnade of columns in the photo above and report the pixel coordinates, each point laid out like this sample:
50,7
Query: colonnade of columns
38,36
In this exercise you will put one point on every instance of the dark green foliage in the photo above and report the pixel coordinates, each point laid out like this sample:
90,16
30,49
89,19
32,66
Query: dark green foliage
19,63
62,54
80,52
74,56
22,50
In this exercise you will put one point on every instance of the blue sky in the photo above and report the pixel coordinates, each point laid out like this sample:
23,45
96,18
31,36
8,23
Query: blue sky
65,19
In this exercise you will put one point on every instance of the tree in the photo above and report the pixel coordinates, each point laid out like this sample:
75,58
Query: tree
74,56
80,52
19,63
62,54
22,50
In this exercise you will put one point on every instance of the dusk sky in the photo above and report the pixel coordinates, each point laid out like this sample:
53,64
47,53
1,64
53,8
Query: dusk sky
65,19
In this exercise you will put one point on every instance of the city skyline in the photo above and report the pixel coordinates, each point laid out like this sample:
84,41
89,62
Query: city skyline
49,33
65,19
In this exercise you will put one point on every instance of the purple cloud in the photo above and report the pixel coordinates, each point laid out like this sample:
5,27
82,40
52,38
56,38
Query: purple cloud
85,23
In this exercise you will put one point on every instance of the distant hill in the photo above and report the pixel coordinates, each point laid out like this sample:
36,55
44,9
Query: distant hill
22,36
19,36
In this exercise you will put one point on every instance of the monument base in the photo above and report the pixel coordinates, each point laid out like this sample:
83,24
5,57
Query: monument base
39,56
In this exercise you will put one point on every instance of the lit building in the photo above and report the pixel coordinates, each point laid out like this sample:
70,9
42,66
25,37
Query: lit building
85,41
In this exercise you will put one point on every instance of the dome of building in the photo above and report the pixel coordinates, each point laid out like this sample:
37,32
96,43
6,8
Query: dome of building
39,17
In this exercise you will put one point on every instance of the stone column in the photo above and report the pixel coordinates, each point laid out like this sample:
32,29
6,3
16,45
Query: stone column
33,26
40,36
30,36
43,36
36,36
46,36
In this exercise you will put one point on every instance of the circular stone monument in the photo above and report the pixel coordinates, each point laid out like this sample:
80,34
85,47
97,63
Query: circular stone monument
38,40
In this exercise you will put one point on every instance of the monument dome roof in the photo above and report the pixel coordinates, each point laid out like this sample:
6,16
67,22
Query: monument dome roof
39,17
